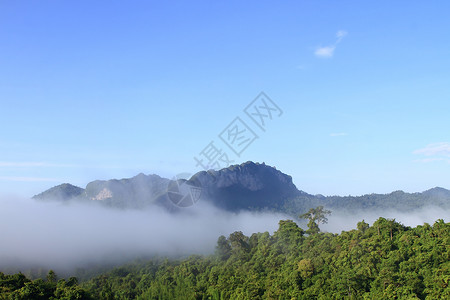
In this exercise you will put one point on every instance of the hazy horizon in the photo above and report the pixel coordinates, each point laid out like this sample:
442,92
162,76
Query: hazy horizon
293,179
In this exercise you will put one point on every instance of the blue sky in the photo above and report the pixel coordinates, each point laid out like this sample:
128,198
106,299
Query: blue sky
108,89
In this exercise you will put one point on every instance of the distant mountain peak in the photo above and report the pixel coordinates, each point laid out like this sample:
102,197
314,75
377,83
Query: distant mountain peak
62,192
437,191
247,185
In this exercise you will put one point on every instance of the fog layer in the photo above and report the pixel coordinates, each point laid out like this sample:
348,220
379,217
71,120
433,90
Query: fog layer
67,236
61,236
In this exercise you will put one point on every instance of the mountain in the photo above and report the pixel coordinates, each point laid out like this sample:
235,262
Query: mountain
437,192
399,200
136,192
62,192
248,186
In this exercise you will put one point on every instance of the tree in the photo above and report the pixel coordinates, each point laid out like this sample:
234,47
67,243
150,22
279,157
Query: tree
315,216
362,226
51,276
239,245
306,268
223,248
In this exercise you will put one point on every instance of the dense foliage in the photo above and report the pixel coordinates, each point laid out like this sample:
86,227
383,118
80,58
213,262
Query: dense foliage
384,261
19,287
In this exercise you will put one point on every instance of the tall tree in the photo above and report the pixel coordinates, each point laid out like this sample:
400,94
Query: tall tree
315,216
223,248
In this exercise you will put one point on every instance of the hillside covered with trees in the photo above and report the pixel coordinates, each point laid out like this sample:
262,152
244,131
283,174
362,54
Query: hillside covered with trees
384,261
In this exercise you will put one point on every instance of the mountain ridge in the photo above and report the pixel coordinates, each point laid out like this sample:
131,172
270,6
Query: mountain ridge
247,186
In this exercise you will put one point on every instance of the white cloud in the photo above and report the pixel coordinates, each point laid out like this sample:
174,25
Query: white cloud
325,52
432,159
28,179
21,164
439,149
341,34
33,164
434,152
339,134
328,51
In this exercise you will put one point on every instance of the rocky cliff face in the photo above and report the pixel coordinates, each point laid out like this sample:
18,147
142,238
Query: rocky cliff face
246,186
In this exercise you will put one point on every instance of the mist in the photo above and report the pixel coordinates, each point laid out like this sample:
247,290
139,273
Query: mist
340,220
65,236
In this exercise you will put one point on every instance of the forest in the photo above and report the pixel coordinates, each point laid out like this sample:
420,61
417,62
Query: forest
386,260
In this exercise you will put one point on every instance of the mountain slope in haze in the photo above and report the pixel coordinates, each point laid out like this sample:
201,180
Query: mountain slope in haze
248,186
62,192
396,200
136,192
